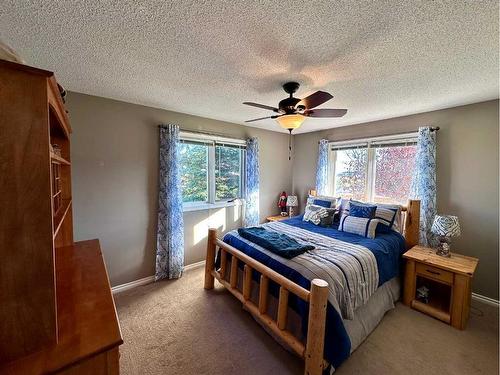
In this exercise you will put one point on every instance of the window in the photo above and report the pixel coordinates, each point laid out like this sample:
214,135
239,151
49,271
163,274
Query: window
194,171
211,169
228,172
375,170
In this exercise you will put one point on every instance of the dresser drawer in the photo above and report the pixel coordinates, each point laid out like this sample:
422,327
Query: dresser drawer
434,273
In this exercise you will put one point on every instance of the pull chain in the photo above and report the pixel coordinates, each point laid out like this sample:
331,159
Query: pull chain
290,145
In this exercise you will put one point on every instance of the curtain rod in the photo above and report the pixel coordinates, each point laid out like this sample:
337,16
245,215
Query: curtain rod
209,133
433,129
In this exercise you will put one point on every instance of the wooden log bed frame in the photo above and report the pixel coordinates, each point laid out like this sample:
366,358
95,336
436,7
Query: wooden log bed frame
312,351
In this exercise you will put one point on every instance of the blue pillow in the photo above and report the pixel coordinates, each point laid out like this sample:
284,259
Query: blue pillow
362,210
322,203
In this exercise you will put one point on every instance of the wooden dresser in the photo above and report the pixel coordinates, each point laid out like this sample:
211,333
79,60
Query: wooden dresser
57,313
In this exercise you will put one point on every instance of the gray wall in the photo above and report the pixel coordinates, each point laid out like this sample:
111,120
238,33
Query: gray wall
467,174
115,168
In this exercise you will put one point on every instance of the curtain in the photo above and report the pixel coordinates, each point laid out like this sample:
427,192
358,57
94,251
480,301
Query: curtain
251,217
170,235
424,183
322,168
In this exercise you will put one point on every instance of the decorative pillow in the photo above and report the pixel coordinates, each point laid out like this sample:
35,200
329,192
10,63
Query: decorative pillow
362,210
322,203
358,225
389,215
311,199
327,221
314,214
344,206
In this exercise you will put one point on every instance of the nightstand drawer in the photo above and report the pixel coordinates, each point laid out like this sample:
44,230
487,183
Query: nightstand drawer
435,273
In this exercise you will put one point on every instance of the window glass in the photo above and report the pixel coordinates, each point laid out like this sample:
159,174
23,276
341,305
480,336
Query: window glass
194,172
351,173
228,172
394,168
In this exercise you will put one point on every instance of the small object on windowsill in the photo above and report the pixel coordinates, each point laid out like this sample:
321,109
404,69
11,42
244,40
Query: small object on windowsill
445,227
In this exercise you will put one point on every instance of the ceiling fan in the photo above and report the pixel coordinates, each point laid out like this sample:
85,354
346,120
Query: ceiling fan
292,112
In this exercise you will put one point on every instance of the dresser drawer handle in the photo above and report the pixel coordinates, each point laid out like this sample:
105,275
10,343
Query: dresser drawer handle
433,272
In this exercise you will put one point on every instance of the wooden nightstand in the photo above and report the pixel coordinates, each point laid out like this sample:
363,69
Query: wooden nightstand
277,218
448,281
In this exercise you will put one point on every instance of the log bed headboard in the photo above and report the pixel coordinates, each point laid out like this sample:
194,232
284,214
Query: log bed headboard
410,221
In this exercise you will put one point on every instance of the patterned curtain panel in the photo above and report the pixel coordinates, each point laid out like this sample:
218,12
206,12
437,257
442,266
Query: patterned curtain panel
424,183
322,168
252,183
170,236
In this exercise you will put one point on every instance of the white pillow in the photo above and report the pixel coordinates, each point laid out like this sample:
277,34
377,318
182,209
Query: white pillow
389,215
358,225
314,213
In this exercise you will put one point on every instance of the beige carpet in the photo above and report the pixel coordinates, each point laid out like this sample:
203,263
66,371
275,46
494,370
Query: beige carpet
176,327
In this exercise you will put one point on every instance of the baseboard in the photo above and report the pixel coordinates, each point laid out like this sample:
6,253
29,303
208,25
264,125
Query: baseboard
132,284
150,279
193,266
487,300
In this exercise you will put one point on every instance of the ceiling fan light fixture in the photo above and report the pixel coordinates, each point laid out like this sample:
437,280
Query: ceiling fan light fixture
290,122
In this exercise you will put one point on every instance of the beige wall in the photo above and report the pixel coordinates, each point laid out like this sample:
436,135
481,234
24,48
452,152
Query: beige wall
115,168
467,174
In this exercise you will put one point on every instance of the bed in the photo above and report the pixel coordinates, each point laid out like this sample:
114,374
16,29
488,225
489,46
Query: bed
322,304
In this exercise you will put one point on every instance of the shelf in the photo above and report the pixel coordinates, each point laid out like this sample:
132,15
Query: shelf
61,214
433,309
59,159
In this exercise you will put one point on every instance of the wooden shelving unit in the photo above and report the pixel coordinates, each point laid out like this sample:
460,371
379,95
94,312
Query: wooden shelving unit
58,160
56,309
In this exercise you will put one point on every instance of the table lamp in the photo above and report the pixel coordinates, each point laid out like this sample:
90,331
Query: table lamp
445,227
291,202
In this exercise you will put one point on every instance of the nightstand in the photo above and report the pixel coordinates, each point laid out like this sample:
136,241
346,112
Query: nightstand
448,281
277,218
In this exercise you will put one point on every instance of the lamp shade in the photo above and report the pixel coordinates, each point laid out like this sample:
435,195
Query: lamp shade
290,121
292,201
446,225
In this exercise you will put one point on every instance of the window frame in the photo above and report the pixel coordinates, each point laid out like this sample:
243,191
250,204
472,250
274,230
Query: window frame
211,142
371,145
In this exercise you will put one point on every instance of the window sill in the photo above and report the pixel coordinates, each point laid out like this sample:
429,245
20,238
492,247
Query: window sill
211,206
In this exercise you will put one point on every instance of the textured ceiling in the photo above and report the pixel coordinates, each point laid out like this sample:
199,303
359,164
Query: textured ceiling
379,59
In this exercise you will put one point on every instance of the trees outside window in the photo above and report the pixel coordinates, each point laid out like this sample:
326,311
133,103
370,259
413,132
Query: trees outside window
210,171
374,171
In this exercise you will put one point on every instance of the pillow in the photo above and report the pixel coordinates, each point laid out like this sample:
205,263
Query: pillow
358,225
344,206
362,210
333,200
322,203
389,215
327,221
314,214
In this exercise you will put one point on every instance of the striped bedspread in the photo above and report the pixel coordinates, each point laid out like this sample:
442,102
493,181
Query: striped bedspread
350,269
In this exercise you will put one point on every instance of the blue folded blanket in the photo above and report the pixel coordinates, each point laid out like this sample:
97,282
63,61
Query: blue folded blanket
278,243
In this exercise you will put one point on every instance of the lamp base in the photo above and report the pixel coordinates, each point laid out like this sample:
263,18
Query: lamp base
443,249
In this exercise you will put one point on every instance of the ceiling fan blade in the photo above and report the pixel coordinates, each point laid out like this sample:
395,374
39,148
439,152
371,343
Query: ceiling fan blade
261,118
314,100
263,106
325,112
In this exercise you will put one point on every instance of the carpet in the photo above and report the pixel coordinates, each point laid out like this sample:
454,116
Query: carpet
176,327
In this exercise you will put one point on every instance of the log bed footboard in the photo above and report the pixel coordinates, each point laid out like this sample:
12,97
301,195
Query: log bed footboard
317,296
312,351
